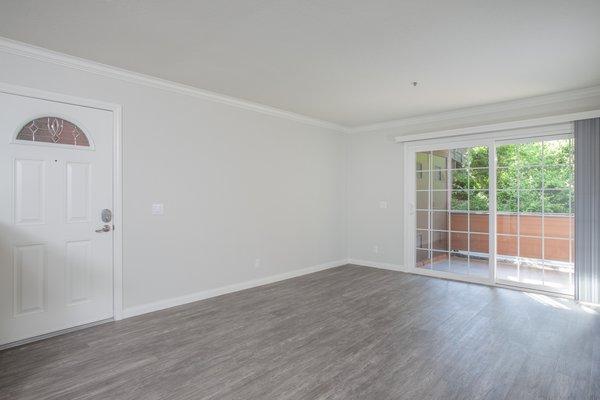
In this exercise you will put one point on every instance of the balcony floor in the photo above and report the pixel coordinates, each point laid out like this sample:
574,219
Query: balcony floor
556,278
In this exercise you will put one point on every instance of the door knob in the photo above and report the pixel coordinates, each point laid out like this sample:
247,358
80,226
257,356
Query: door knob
105,228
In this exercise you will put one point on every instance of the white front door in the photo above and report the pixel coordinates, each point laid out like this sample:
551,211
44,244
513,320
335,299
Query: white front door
56,169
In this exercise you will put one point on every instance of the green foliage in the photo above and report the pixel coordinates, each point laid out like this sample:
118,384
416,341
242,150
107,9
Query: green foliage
479,200
530,177
507,201
541,172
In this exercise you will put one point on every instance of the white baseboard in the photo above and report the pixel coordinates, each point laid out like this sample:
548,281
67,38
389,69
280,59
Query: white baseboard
205,294
377,264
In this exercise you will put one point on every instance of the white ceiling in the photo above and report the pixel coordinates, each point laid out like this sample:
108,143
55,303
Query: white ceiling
345,61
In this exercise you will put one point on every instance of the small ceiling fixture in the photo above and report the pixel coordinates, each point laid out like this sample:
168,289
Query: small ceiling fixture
414,83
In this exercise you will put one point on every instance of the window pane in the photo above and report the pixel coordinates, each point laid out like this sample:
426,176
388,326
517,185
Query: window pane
460,200
506,155
531,272
422,200
559,276
439,159
507,201
479,243
529,153
459,158
558,152
507,268
530,201
530,225
530,178
423,180
558,226
557,201
459,242
478,157
507,178
422,219
460,179
479,179
459,263
53,130
479,222
459,221
557,250
439,261
440,240
422,239
439,179
530,247
558,177
423,259
507,245
423,160
507,224
479,265
440,200
440,221
479,200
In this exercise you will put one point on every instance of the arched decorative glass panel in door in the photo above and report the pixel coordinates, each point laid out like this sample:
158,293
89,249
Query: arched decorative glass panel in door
53,130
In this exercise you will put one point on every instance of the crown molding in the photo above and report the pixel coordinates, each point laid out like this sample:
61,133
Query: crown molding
39,53
529,102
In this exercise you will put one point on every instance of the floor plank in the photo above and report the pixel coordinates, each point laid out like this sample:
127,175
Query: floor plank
345,333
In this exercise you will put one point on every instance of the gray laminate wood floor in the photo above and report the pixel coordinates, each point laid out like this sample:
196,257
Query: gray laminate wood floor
345,333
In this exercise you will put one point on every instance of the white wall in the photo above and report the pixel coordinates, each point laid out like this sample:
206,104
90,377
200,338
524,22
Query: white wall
375,175
375,170
237,185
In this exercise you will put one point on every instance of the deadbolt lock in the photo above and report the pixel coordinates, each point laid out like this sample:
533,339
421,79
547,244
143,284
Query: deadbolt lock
106,215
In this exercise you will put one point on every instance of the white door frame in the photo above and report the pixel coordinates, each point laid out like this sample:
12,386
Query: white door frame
480,139
117,112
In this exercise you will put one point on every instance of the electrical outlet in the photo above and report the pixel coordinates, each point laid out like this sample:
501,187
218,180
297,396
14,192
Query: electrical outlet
376,249
383,204
257,263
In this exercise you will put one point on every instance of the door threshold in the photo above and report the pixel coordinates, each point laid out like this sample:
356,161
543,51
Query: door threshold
53,334
533,290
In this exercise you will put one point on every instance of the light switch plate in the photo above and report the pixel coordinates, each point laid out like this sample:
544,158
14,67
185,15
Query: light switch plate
158,209
383,204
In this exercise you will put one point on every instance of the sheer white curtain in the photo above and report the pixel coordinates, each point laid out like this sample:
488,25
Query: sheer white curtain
587,210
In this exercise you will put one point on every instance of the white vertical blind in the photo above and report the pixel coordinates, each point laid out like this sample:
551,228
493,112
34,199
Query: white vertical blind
587,210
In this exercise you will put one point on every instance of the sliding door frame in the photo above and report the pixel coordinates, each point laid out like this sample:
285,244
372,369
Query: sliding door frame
489,139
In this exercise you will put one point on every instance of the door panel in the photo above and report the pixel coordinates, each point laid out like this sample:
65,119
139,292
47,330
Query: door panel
534,217
29,278
452,211
78,192
30,188
78,263
56,272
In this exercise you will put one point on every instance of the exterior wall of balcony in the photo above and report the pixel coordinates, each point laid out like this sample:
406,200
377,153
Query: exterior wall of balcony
517,235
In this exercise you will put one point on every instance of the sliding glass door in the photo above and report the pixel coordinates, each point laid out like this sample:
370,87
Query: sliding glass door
493,211
452,211
535,218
